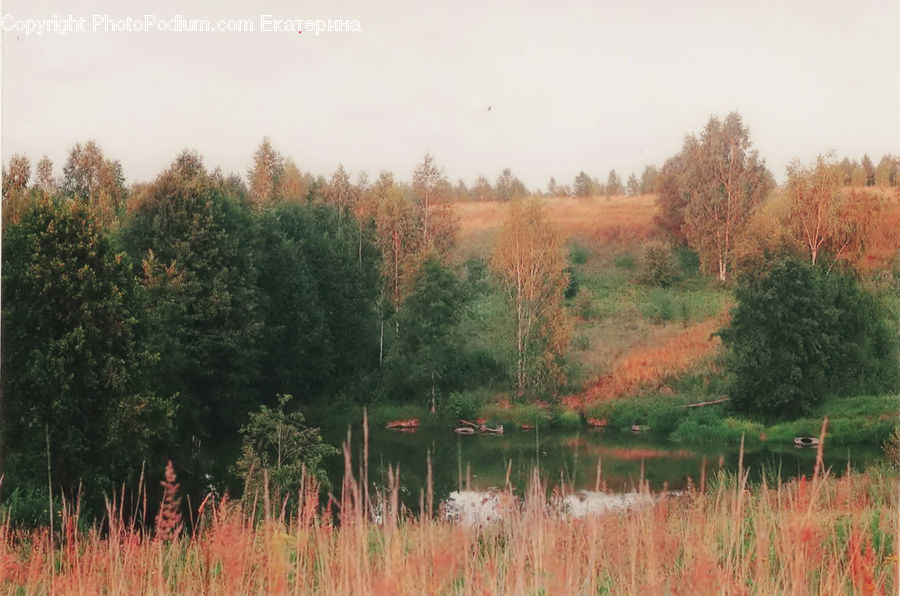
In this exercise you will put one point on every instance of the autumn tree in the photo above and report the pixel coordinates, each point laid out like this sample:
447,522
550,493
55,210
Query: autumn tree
887,170
583,185
725,180
815,194
671,194
427,181
398,238
869,169
44,181
89,176
633,188
265,175
530,260
339,191
648,179
482,191
857,216
509,187
15,188
552,188
613,184
294,185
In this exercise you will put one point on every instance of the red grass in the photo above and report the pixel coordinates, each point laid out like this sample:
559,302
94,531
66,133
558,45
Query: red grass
647,367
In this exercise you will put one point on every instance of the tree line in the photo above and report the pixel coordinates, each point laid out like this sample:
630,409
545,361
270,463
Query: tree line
165,320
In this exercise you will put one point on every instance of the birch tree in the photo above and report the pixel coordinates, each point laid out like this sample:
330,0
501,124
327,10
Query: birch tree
530,260
725,180
814,195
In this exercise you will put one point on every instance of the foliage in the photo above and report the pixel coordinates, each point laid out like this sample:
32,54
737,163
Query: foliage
427,346
196,248
278,442
799,335
463,405
75,357
725,179
312,278
529,259
88,176
658,266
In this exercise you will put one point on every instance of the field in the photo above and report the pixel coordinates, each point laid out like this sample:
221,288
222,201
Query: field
819,535
592,221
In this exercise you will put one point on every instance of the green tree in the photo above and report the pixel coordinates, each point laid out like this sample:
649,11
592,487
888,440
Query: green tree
316,300
799,335
428,346
278,443
75,354
195,243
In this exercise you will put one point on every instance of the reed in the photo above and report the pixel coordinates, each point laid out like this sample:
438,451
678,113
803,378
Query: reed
818,535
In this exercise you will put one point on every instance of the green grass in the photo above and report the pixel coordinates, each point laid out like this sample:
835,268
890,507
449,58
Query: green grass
852,420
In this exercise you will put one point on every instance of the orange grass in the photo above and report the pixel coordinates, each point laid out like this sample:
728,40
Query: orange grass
596,220
648,366
821,536
884,245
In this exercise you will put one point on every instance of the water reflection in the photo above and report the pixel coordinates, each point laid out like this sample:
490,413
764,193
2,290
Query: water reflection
590,460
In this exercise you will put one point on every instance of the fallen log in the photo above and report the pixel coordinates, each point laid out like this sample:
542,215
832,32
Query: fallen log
705,403
398,424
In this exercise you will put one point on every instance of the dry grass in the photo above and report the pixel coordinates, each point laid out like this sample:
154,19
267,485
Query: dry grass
885,242
647,366
821,536
595,221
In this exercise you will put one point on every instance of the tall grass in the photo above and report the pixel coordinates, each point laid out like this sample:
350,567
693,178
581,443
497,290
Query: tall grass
818,535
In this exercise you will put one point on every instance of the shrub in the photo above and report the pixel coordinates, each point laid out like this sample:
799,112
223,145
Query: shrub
463,405
584,304
688,260
625,261
660,308
658,266
578,254
565,418
799,335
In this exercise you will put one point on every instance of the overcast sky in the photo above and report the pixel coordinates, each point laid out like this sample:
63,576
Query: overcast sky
570,85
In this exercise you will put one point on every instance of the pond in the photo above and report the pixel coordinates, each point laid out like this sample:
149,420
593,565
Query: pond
482,461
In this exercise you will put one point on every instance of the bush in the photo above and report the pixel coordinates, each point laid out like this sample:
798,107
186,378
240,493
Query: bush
799,335
463,405
578,254
688,260
565,418
658,266
660,308
584,304
625,261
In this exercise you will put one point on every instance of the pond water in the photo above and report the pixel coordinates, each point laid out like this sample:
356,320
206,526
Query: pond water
480,462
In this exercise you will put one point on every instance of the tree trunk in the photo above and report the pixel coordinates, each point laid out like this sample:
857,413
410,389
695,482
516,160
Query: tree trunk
432,392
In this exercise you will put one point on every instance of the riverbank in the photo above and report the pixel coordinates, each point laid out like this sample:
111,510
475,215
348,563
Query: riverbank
866,420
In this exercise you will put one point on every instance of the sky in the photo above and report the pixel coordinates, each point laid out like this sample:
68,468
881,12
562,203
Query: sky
546,89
